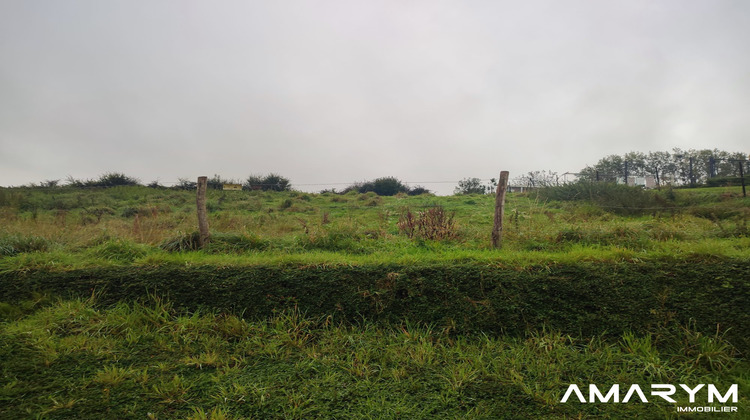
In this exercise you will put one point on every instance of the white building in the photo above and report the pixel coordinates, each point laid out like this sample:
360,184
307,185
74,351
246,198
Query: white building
647,181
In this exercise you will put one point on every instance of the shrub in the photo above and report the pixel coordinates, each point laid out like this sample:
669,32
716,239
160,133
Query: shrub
386,186
418,190
185,184
471,186
109,179
270,182
114,179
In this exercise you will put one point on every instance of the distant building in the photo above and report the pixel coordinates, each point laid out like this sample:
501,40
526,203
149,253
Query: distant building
647,181
519,189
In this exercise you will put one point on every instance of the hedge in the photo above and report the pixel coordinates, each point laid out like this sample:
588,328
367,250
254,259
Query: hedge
582,298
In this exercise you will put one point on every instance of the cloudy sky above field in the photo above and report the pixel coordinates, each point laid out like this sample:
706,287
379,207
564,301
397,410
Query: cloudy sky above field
342,91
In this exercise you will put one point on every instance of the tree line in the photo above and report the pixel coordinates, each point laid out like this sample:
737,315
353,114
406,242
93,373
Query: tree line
270,182
678,167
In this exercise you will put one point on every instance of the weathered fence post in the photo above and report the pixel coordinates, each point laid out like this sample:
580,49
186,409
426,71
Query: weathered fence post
203,236
497,230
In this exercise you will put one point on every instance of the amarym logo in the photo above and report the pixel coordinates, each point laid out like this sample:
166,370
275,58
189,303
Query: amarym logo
664,391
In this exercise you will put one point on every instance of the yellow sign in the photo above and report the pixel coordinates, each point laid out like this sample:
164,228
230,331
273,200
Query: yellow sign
232,187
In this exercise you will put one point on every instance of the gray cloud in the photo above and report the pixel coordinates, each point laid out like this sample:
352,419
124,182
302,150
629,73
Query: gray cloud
339,91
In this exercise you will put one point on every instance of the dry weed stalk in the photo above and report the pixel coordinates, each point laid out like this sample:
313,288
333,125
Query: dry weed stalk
434,223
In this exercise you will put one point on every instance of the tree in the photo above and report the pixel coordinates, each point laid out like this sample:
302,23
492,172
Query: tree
659,164
536,179
608,169
679,166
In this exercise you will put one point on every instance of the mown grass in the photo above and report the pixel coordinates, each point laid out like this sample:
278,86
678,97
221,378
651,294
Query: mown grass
73,359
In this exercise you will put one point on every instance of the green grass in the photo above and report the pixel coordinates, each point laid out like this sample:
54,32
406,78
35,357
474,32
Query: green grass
72,359
70,227
76,359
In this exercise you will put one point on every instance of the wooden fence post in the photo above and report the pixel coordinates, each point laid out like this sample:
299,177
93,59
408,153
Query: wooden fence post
497,229
203,236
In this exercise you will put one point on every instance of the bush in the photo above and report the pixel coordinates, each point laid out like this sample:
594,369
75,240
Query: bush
386,186
114,179
185,184
418,190
109,179
471,186
270,182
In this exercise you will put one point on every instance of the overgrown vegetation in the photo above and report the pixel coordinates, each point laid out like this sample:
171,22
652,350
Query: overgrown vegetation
433,223
553,219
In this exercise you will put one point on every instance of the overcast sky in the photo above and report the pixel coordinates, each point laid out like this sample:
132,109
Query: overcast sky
341,91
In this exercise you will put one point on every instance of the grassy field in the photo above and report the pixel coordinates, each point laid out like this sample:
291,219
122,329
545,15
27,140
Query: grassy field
145,358
138,224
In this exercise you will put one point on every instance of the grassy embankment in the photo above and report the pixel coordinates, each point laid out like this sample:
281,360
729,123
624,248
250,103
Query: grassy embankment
74,360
